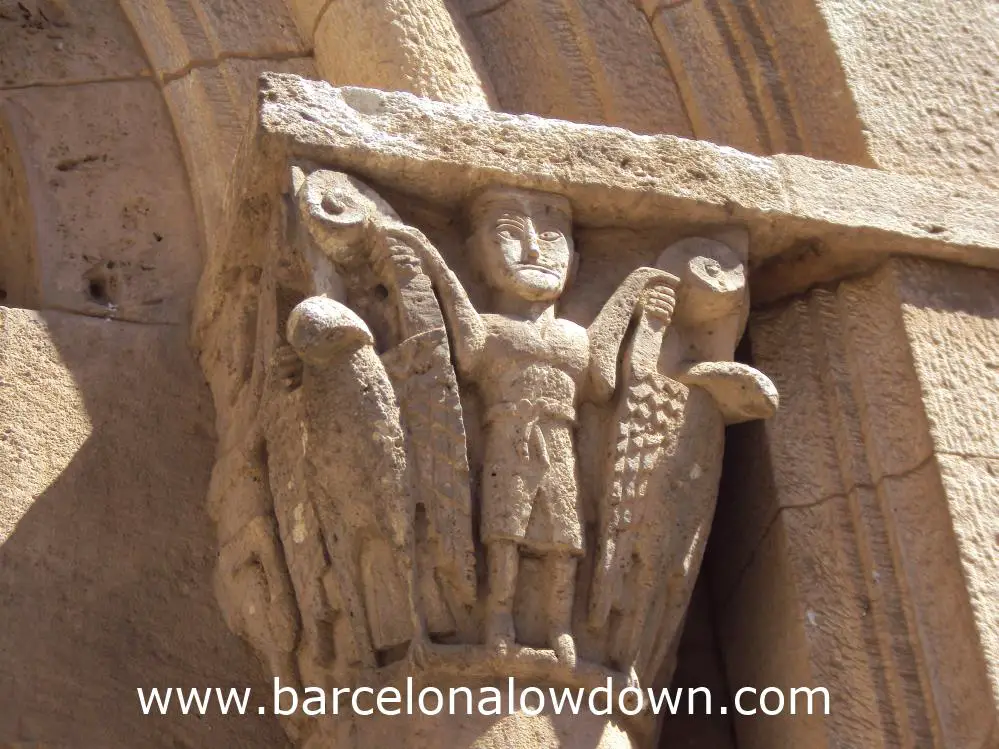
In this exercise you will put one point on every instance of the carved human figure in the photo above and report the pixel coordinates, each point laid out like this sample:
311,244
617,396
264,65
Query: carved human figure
532,370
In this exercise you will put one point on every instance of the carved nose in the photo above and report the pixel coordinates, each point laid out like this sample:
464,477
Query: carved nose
532,250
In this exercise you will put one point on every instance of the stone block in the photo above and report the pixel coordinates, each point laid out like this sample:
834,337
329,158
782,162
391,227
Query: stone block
307,14
795,208
597,63
113,220
933,516
888,536
48,42
972,486
707,75
762,636
951,318
179,35
922,76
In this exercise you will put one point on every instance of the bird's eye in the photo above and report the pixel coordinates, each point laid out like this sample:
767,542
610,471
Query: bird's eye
550,236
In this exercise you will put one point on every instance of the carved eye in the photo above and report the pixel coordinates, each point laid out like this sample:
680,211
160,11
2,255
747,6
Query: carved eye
550,236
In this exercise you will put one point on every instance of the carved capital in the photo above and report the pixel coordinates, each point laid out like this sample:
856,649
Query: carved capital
489,434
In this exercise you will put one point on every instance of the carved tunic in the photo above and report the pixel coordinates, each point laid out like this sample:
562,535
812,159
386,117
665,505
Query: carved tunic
530,382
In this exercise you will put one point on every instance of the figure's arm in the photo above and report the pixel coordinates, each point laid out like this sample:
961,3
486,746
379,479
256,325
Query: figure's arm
465,325
608,330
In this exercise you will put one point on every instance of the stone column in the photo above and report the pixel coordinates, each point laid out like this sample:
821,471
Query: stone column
420,46
861,529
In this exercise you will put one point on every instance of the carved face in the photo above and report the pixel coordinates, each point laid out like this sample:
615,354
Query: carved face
524,242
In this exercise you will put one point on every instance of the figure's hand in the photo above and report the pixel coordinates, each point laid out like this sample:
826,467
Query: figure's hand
392,251
404,246
659,301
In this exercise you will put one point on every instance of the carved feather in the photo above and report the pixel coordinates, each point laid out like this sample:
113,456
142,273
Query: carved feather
350,222
425,383
640,439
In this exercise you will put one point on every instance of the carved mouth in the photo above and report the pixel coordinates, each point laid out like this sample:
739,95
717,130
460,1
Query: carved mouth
539,268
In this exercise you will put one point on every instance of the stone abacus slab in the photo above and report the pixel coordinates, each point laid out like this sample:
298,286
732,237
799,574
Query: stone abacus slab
820,219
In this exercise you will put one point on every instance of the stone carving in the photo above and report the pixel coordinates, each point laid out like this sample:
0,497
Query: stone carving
416,455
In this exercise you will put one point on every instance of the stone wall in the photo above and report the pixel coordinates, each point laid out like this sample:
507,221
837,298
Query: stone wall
865,545
117,122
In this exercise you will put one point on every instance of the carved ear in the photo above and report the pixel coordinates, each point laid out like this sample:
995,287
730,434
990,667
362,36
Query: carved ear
741,392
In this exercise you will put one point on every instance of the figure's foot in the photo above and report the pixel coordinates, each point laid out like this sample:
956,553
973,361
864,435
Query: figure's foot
565,649
500,633
418,650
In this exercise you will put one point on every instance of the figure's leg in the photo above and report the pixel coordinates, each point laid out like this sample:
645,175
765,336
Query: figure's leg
560,508
507,494
561,594
504,559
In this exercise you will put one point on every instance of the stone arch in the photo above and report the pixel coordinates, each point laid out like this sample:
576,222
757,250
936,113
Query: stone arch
762,76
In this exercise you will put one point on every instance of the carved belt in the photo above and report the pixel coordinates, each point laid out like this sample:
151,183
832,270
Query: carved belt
530,412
